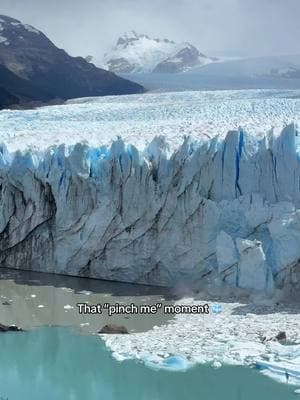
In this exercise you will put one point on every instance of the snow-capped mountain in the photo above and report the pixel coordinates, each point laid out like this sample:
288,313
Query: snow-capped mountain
140,53
33,68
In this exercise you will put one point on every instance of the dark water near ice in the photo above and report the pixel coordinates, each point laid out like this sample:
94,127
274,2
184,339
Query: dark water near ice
61,364
31,299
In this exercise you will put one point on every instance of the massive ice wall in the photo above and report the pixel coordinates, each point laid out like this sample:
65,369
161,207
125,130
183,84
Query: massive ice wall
224,212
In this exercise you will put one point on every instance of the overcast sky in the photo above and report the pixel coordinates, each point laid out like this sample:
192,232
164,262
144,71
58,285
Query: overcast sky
82,27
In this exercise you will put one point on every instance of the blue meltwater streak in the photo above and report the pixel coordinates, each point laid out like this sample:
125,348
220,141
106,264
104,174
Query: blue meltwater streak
60,364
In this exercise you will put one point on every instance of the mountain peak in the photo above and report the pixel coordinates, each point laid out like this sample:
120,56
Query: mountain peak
138,52
129,37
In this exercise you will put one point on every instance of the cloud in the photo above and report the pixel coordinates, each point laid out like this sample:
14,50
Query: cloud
255,27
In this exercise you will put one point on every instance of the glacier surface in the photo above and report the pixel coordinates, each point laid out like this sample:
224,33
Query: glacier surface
138,119
217,210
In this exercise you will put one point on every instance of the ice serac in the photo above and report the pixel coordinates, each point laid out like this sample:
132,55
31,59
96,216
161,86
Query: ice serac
221,212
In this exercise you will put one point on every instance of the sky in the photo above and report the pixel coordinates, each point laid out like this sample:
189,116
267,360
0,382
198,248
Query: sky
236,27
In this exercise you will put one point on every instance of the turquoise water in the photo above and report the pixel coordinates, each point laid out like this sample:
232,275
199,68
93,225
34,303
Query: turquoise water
61,364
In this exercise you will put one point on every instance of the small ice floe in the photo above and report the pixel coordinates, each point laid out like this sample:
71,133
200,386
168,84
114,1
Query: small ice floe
119,357
33,295
68,307
41,306
67,289
297,391
171,363
86,292
85,324
217,364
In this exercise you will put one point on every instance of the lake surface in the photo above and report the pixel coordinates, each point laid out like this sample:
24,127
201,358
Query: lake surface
31,299
61,364
58,358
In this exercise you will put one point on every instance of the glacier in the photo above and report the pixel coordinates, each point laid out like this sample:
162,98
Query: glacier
220,211
194,190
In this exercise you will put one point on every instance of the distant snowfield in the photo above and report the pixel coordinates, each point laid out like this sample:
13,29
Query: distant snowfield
139,118
234,336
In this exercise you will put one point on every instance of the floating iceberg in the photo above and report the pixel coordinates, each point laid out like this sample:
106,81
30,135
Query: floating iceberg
171,363
281,371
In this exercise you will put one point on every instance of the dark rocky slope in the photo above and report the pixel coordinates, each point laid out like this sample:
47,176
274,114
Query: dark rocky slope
32,68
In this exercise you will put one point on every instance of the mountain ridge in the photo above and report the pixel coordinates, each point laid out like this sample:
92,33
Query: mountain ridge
39,71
